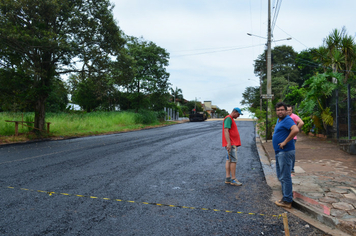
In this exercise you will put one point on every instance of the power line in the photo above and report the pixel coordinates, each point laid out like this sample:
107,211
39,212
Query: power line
231,49
204,49
276,12
292,37
310,63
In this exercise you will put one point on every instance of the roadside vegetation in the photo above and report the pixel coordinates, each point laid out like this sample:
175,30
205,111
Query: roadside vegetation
319,82
57,55
76,124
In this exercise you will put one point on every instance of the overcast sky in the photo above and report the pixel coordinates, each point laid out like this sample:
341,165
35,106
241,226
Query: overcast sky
211,55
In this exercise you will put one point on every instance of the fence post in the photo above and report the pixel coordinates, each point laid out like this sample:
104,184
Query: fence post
165,114
16,128
348,111
337,115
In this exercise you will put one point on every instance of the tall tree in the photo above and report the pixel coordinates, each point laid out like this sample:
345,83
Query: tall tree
149,69
283,64
41,39
348,49
306,64
338,52
251,97
57,100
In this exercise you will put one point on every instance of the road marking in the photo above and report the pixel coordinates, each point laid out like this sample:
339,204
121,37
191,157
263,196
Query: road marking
50,193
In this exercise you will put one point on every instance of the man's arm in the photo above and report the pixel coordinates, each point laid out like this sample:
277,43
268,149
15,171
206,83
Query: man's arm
300,123
227,137
293,132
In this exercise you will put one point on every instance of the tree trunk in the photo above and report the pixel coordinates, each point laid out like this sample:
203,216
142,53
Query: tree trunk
138,95
40,114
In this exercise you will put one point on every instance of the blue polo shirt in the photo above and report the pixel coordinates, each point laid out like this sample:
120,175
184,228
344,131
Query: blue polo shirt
281,132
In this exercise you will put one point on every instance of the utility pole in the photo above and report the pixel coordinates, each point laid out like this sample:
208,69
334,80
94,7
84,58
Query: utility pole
261,92
269,66
269,94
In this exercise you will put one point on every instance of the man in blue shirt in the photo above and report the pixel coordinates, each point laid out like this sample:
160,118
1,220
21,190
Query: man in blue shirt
284,148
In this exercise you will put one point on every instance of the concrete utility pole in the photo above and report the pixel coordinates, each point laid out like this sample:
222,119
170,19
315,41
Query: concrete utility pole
260,92
269,57
269,68
269,94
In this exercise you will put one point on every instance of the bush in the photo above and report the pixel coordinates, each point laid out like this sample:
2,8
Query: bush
145,117
308,124
138,118
161,115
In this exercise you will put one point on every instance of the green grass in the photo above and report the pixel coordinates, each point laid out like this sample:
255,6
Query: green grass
346,138
79,124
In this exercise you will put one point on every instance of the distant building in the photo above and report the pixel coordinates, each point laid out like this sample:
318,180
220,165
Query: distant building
210,109
73,106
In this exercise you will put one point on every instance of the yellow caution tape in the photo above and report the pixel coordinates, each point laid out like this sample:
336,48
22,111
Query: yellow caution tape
147,203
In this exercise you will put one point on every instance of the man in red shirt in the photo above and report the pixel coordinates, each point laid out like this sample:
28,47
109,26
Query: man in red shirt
231,140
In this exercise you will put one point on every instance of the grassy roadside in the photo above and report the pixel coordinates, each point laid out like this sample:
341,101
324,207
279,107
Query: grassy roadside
67,125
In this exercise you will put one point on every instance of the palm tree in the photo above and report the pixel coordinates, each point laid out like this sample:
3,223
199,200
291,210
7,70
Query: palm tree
341,51
322,57
177,94
333,44
348,48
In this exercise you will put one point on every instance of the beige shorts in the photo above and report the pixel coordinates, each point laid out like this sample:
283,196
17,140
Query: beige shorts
232,155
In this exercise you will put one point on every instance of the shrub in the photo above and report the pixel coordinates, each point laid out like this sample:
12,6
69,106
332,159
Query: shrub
147,117
161,115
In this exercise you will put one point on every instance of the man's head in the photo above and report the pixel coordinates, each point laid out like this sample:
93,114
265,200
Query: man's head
236,112
281,110
289,110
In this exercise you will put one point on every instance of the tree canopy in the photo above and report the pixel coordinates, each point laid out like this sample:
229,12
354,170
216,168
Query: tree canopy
315,80
42,39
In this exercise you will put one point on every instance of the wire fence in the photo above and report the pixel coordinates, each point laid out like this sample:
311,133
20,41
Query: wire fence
343,107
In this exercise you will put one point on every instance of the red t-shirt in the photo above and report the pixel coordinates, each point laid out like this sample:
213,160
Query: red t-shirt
233,132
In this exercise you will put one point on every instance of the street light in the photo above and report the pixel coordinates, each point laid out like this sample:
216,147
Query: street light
282,39
266,38
269,62
256,36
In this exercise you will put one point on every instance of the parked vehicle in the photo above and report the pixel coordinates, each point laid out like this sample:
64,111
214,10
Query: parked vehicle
197,116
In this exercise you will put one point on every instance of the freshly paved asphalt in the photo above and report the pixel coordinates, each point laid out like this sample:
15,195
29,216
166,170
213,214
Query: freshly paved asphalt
111,185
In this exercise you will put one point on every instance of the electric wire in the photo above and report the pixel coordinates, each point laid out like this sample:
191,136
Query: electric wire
276,13
292,37
310,63
209,52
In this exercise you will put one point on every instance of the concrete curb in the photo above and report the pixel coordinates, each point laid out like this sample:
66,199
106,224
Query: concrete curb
300,202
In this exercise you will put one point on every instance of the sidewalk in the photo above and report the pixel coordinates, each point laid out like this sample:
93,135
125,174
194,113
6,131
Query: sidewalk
324,184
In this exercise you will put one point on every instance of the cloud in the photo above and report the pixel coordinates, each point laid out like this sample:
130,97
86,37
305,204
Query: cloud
211,54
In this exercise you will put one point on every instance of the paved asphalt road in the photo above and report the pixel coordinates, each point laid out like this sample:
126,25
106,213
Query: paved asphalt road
101,185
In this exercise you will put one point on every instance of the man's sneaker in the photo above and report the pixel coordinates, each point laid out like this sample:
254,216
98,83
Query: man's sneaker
285,204
235,182
228,180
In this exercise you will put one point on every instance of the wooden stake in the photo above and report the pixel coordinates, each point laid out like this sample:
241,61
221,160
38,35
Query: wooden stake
285,223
